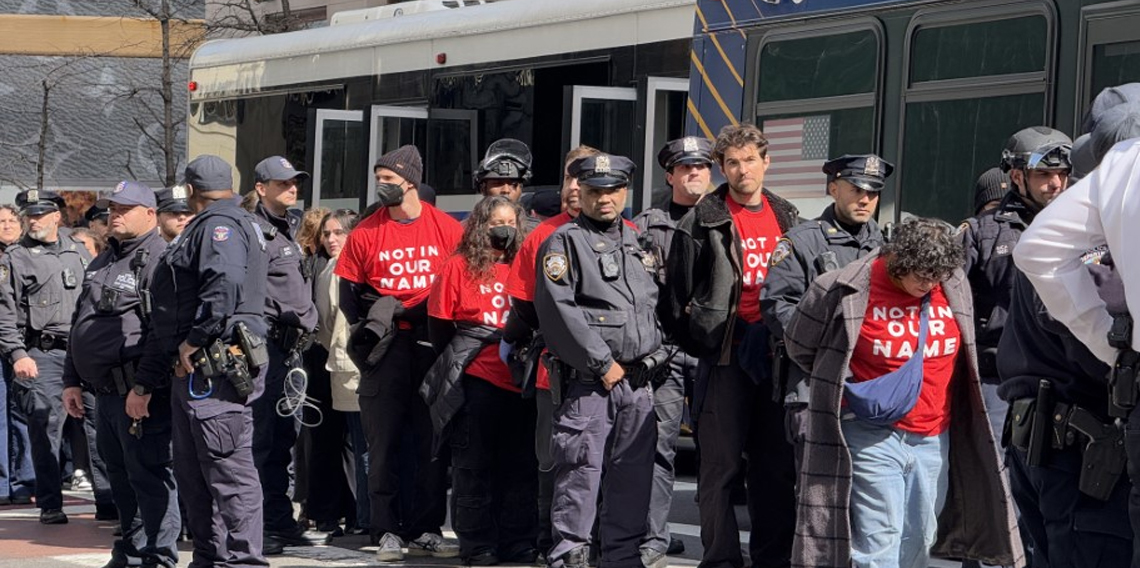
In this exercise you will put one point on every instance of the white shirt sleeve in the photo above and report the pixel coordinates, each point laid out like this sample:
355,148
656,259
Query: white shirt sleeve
1093,212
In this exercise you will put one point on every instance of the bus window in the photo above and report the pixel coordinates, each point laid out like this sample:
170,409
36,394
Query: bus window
997,47
816,99
972,84
1115,64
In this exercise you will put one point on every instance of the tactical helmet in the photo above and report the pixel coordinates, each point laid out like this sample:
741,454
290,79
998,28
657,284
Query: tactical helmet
506,158
1037,147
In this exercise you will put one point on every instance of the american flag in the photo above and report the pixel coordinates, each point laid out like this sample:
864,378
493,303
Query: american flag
799,148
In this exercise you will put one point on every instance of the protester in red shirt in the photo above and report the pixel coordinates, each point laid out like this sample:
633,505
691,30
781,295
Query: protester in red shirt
396,253
491,432
522,327
888,342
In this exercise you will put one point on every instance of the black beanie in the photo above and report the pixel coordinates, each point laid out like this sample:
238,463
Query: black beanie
991,186
405,161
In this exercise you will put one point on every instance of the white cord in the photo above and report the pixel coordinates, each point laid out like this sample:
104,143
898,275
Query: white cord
294,400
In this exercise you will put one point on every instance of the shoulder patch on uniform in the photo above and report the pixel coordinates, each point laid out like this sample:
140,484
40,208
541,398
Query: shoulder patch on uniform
554,265
222,233
3,272
783,250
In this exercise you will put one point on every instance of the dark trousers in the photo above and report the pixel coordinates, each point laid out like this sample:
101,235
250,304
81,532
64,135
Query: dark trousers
359,469
329,496
273,439
543,424
142,478
596,430
41,400
1132,448
218,483
668,408
394,410
494,471
739,417
17,478
1069,529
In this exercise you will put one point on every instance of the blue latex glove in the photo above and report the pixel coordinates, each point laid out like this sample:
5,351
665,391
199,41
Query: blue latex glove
505,350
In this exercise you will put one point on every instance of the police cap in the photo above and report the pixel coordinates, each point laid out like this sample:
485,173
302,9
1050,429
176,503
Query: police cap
209,173
687,150
865,171
172,200
277,168
128,193
96,213
38,202
603,171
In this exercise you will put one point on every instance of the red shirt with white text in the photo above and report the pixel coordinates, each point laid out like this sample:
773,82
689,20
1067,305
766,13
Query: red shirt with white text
759,232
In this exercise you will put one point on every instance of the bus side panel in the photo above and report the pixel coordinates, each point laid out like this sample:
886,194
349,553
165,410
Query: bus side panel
716,82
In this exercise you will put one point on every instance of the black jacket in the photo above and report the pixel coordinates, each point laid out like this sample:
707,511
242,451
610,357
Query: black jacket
703,278
442,388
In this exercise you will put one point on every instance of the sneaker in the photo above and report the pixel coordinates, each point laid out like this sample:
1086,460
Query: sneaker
577,558
485,558
430,544
80,481
53,517
652,559
391,548
272,547
300,537
676,546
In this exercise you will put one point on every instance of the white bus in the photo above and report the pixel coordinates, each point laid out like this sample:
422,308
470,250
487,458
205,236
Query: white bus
450,79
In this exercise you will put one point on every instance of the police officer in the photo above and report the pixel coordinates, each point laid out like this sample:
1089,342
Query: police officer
208,322
844,232
292,317
97,218
688,170
107,341
595,301
173,211
1037,161
1066,454
41,279
504,170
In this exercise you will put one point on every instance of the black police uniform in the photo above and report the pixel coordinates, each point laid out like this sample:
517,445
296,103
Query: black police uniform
292,317
210,279
656,227
40,285
595,301
1049,469
988,240
107,340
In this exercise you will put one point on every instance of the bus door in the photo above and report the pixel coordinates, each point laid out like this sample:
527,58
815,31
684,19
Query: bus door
392,127
336,163
602,117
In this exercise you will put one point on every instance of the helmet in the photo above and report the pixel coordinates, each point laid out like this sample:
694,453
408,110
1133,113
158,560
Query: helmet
506,158
1037,147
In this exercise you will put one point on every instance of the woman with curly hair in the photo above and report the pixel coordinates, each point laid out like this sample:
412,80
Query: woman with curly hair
899,457
475,404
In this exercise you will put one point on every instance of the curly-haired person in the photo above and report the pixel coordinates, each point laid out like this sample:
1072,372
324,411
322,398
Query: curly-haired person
899,461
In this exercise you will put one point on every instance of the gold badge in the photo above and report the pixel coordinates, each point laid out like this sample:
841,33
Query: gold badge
783,250
555,265
872,166
178,192
602,164
690,144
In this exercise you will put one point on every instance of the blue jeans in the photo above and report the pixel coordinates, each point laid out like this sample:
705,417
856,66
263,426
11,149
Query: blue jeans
898,487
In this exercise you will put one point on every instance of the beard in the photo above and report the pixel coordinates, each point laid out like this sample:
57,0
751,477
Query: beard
42,234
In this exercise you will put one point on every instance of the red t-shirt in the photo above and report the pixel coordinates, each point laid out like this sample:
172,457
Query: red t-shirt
520,282
399,259
759,232
887,340
456,297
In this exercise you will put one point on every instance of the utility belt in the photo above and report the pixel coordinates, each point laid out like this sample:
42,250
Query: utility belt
44,341
638,374
122,380
238,363
1039,426
291,339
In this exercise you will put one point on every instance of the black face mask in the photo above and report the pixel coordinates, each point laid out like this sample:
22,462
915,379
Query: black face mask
389,194
503,236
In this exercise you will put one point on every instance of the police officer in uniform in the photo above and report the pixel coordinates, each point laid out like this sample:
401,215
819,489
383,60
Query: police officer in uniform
1037,161
292,317
688,166
41,279
173,211
106,342
1065,452
844,232
504,170
595,301
208,323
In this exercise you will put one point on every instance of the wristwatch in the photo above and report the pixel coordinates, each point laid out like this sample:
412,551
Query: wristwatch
141,390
